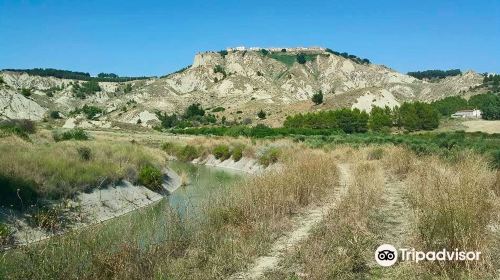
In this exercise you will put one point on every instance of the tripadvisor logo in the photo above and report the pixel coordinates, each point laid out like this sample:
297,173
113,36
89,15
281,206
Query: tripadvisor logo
387,255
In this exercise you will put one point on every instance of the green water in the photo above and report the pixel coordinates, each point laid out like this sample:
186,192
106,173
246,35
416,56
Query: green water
204,183
152,224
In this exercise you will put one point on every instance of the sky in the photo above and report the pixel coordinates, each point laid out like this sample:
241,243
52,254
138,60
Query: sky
146,38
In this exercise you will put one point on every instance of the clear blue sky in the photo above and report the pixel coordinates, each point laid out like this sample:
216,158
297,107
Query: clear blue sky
158,37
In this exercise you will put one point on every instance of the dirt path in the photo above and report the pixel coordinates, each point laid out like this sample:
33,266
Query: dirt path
396,226
304,223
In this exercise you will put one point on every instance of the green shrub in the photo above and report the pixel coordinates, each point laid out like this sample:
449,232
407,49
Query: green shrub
72,134
269,156
55,115
188,153
221,152
4,232
85,153
26,92
261,114
151,177
237,152
218,109
19,127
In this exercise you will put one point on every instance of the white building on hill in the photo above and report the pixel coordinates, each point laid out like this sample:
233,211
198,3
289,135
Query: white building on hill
474,114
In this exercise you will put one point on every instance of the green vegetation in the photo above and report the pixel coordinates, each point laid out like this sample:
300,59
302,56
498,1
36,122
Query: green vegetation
91,112
492,82
317,98
87,88
128,88
220,69
261,114
237,152
72,134
435,74
449,105
218,109
65,74
285,58
55,115
59,170
381,119
221,152
347,120
417,116
194,115
488,103
183,153
269,156
151,177
349,56
26,92
85,153
21,128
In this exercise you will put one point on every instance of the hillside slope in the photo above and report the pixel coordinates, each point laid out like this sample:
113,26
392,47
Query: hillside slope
242,82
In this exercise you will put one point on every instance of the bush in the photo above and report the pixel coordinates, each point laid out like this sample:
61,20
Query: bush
301,58
26,92
19,127
4,233
73,134
222,152
218,109
317,98
188,153
85,153
151,177
261,114
55,115
237,152
269,156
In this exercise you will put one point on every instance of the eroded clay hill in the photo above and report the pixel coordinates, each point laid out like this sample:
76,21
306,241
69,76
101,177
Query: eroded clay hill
242,82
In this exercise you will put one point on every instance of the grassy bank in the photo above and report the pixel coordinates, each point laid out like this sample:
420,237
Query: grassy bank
30,172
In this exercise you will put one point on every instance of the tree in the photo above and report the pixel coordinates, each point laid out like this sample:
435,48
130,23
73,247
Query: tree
261,114
301,58
317,98
128,88
194,110
26,92
380,118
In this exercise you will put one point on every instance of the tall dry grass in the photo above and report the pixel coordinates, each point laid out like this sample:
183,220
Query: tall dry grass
235,226
453,203
343,245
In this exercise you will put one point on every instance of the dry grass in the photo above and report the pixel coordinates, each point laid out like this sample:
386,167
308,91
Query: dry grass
342,246
59,170
237,225
454,205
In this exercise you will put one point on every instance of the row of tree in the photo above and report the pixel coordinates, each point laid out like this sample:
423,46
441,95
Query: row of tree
434,74
352,57
410,116
74,75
